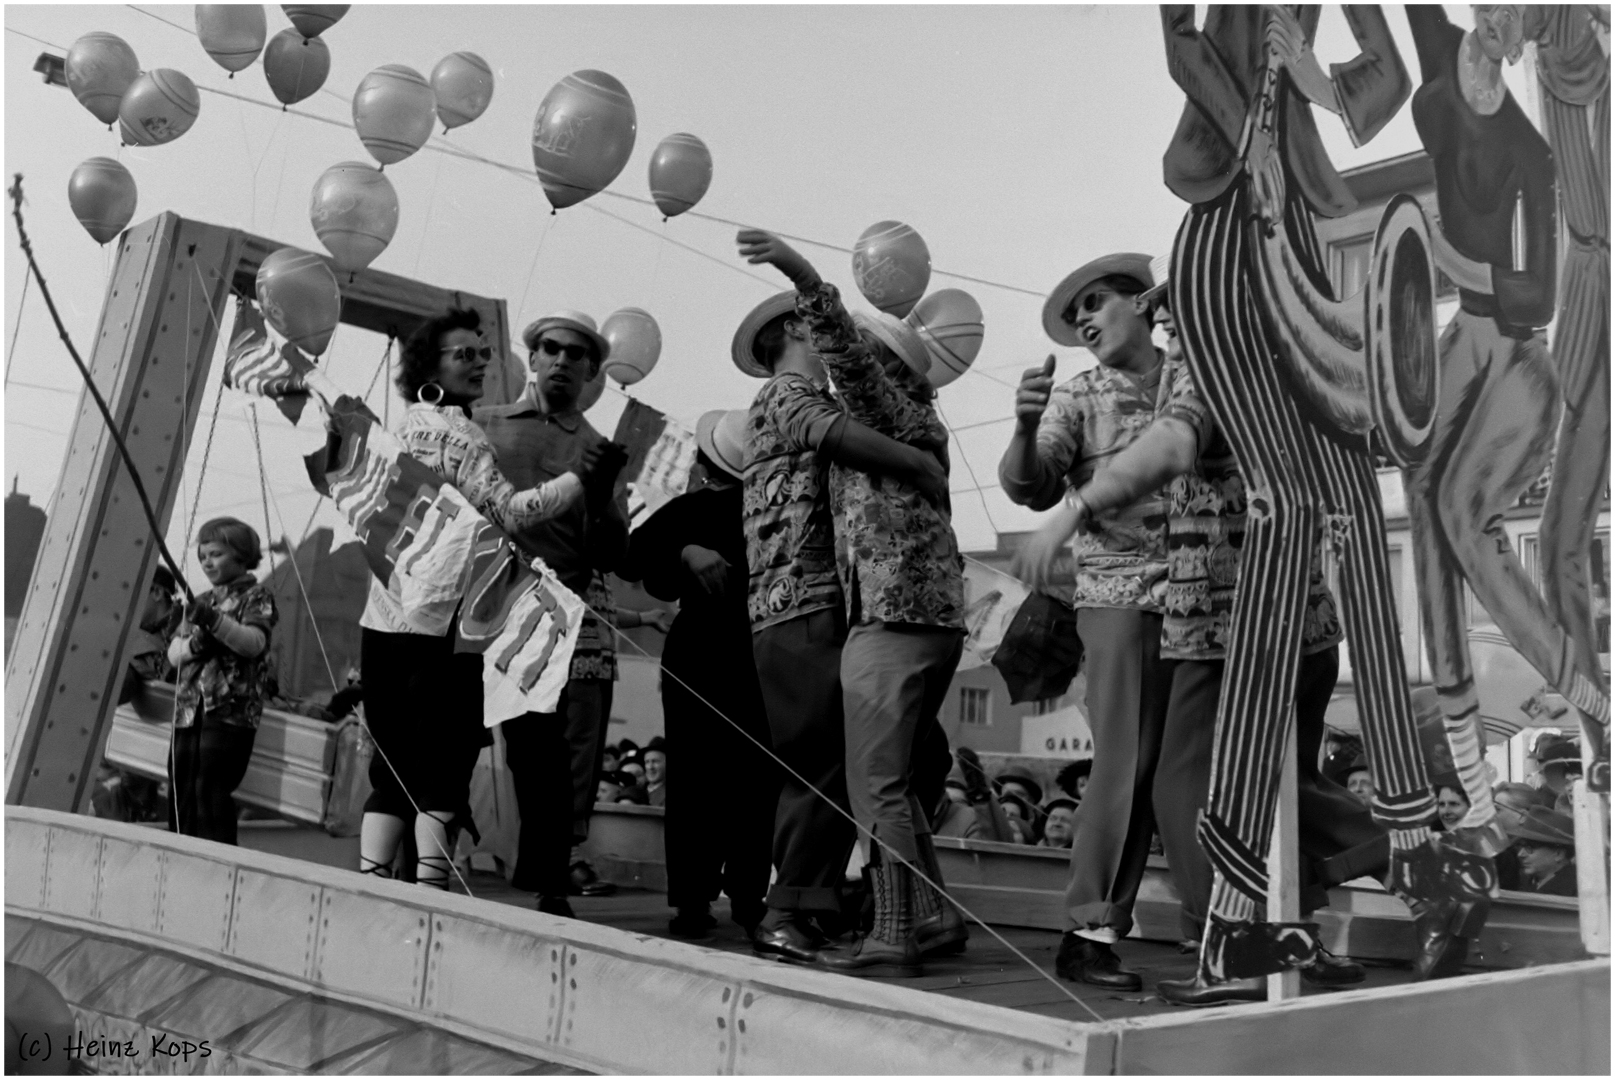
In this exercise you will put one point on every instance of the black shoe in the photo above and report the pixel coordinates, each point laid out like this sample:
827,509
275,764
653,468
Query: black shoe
556,905
692,922
869,955
780,935
1082,959
747,916
585,882
1200,992
1329,970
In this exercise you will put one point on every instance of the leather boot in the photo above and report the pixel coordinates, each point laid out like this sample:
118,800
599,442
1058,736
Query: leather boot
1082,959
1329,970
1442,931
889,949
939,927
786,935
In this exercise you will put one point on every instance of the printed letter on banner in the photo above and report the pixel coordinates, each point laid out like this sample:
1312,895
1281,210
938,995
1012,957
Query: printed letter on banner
991,600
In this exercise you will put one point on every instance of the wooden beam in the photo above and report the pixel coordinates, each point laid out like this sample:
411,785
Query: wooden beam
1284,864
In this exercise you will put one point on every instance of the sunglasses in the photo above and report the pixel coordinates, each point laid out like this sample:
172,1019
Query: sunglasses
464,353
1091,303
574,353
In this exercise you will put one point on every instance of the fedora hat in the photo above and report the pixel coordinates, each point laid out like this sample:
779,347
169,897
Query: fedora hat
1545,826
1057,802
721,436
567,320
897,336
740,350
1556,750
1125,264
1022,775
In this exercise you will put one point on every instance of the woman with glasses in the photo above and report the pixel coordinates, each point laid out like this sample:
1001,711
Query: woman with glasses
423,701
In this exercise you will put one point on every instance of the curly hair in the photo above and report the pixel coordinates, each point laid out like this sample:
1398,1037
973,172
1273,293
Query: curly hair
235,534
420,357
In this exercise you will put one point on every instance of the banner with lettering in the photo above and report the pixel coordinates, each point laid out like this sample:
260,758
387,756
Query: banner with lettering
434,555
991,599
661,453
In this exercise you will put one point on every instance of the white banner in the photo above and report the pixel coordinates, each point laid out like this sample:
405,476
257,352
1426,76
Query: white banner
992,598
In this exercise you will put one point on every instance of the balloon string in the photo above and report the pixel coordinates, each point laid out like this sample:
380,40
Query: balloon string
549,223
656,268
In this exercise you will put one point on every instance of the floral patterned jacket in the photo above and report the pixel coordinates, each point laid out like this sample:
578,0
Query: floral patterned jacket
896,553
218,685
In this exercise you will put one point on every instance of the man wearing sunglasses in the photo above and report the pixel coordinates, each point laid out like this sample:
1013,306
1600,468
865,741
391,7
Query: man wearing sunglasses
1063,436
541,435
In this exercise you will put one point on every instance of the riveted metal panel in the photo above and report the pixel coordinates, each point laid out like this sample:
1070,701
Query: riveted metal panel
373,949
73,879
683,1018
27,857
131,883
196,897
498,979
275,923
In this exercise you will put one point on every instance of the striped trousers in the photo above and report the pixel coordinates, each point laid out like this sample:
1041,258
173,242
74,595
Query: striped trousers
1299,481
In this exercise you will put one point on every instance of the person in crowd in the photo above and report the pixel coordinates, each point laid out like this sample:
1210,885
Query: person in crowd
1183,450
797,609
1019,780
422,700
1059,821
1514,802
219,652
954,788
1063,436
610,759
1020,815
902,578
1559,765
1359,781
1545,841
656,771
554,759
1073,778
609,788
633,765
626,747
721,802
968,808
1451,802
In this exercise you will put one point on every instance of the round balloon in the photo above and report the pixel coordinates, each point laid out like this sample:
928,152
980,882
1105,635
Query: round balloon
680,172
636,344
950,323
233,34
312,20
463,83
392,110
100,67
892,266
158,108
582,136
354,212
300,298
102,195
295,66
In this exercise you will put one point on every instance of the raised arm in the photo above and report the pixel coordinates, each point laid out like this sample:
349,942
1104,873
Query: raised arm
1202,74
1044,443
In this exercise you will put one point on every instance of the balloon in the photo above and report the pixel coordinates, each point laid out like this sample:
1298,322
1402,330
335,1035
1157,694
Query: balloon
582,136
680,172
102,195
950,324
636,344
354,212
463,83
312,20
892,266
295,66
393,109
300,298
233,34
158,108
100,67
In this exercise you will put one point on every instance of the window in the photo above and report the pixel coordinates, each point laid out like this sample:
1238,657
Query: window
1350,259
975,706
1047,705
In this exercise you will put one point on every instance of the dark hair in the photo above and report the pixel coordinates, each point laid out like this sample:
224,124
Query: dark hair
163,579
1066,779
769,344
420,357
1123,284
235,534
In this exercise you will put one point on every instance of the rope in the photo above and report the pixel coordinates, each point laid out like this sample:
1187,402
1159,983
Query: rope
971,469
201,476
16,329
95,393
263,489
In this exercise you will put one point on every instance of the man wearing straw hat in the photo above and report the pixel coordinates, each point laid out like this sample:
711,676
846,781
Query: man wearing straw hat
542,434
794,428
903,579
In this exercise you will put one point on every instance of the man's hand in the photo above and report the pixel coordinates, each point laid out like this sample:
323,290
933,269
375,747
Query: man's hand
710,570
599,465
929,478
977,789
1034,562
764,247
1032,397
202,615
659,619
1284,35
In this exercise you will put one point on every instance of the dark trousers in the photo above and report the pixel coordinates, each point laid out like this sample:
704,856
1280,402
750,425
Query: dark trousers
722,788
209,762
1338,837
799,670
539,755
1128,688
587,715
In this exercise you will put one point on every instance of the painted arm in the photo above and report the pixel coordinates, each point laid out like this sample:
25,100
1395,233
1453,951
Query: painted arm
1371,87
1202,74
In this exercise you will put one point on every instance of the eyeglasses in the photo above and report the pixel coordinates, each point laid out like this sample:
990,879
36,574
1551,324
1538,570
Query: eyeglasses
461,354
1091,302
574,353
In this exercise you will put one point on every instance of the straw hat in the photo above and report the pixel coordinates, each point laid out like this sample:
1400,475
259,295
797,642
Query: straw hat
897,336
1125,264
740,350
721,435
567,320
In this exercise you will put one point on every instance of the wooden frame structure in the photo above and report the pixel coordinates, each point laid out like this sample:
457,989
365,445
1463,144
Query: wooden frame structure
151,357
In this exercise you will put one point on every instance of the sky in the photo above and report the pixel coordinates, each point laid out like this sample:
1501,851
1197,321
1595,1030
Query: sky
1020,141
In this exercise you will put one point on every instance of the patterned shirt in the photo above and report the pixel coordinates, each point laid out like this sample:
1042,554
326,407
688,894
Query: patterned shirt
1089,420
1205,535
896,552
790,536
445,440
217,684
595,656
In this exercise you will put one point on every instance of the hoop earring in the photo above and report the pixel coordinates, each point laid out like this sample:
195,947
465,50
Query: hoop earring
420,395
